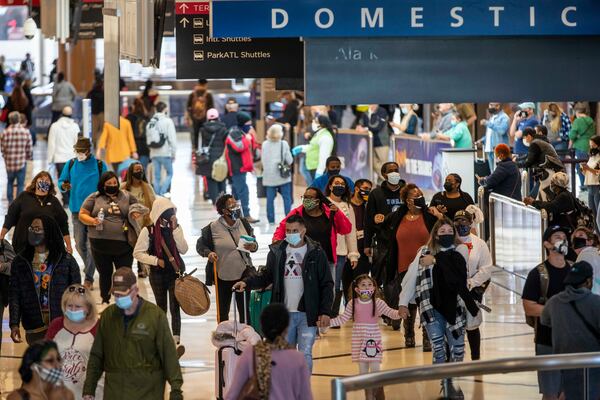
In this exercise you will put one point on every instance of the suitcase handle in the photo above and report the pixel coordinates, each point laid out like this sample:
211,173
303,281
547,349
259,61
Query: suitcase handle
235,319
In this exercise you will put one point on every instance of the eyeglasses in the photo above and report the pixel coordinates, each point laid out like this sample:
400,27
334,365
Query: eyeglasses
78,289
36,229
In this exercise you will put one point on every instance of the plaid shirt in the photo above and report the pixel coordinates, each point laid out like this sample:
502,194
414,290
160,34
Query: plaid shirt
423,298
16,146
565,127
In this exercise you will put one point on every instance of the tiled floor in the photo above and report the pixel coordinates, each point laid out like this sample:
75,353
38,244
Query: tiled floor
504,331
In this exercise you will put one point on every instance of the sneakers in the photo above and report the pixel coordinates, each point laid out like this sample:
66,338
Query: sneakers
88,285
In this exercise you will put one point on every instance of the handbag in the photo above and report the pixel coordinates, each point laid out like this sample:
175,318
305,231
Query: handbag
192,295
203,155
220,169
250,390
285,170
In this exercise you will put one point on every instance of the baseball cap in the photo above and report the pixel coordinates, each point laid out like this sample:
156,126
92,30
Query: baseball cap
212,114
83,144
122,280
527,104
551,230
463,214
560,179
580,272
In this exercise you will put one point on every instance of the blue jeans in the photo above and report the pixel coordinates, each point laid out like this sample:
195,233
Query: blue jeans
286,192
491,161
215,189
593,197
144,160
302,335
440,335
580,154
158,163
306,174
11,176
239,187
336,273
82,244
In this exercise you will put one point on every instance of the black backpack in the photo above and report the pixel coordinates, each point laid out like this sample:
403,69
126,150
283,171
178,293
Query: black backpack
581,215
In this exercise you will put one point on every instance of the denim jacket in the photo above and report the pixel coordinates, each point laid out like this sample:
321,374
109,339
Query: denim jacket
497,130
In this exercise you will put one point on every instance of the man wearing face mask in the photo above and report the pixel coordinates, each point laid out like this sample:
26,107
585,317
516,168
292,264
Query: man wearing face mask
80,178
298,269
496,131
383,200
227,262
145,340
543,282
479,273
585,244
524,118
334,168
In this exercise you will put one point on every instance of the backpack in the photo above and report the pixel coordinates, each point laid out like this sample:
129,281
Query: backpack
581,215
199,107
154,137
544,282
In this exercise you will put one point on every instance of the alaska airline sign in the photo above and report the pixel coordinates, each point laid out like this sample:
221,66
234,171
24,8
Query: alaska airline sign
404,18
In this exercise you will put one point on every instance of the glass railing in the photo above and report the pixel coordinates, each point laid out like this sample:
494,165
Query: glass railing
517,374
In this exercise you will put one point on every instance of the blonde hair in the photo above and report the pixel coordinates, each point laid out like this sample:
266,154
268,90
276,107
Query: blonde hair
556,123
70,295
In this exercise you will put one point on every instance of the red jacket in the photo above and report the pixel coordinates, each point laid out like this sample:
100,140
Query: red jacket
341,224
245,152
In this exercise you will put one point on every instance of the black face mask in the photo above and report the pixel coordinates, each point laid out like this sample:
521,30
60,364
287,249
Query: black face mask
448,187
338,190
138,175
235,214
112,190
35,238
492,110
420,203
594,152
579,243
446,241
333,172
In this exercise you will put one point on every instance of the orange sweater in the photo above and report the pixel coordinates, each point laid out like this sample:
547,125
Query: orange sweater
118,144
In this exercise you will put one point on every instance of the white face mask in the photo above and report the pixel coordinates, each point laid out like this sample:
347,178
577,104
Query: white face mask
526,143
393,178
81,157
404,110
315,126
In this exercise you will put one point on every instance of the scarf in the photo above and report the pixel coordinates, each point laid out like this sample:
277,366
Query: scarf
165,234
262,353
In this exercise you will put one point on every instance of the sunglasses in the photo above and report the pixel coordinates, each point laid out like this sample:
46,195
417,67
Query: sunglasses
80,290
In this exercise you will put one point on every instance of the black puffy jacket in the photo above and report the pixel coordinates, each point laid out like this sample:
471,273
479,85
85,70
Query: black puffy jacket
213,134
24,303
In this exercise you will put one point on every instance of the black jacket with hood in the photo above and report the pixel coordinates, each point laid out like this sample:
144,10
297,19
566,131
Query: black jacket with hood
384,201
213,134
318,283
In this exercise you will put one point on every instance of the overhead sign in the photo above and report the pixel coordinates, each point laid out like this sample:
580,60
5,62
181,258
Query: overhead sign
393,71
201,56
91,26
393,18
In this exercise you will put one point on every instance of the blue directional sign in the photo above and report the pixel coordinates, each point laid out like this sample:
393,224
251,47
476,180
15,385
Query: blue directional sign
404,18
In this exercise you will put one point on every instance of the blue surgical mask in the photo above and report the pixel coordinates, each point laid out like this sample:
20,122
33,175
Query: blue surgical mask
293,238
463,230
75,316
124,302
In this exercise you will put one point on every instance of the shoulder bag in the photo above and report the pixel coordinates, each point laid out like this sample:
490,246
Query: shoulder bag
192,295
285,170
220,169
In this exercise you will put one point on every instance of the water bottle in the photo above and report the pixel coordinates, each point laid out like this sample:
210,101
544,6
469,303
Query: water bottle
100,217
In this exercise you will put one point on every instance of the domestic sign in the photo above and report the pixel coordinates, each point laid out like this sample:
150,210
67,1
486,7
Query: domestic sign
201,56
433,70
395,18
91,26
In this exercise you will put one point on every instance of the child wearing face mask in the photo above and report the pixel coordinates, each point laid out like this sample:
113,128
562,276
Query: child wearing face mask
161,245
365,309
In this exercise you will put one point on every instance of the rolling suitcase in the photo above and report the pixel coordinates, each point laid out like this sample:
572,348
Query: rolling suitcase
258,301
226,358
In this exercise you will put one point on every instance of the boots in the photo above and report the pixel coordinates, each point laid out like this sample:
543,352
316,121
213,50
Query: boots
451,392
409,326
426,342
375,394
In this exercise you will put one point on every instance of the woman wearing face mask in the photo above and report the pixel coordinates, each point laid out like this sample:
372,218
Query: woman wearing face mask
405,119
227,264
437,280
106,213
452,199
39,276
347,248
407,230
319,148
559,125
74,334
458,133
161,245
323,222
41,374
585,244
591,169
38,199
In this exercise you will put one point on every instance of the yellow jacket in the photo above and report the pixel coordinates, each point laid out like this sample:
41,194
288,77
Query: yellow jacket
118,144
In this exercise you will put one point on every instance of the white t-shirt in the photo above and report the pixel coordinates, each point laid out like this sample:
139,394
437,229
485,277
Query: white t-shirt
292,276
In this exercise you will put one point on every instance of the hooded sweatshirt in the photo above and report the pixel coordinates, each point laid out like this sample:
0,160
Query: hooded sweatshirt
62,137
569,332
143,251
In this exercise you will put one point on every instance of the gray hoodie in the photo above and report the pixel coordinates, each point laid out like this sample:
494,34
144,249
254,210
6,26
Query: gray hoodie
569,333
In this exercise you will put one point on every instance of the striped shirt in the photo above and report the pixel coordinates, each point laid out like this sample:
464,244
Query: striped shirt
16,146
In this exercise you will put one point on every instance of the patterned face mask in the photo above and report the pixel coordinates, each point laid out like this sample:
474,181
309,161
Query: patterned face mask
52,376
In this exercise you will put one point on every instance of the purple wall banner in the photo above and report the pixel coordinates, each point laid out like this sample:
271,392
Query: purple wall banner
355,150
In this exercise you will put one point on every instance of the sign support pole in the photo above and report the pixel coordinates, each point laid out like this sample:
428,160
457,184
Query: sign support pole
112,88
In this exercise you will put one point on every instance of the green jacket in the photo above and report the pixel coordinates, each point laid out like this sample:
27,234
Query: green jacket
582,130
136,361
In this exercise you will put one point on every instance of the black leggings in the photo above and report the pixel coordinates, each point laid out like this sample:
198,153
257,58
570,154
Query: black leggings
107,253
474,338
163,287
224,298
